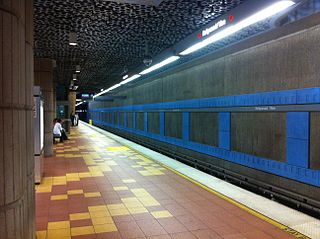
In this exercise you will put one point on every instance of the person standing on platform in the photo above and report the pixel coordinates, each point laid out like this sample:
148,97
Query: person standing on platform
72,118
76,119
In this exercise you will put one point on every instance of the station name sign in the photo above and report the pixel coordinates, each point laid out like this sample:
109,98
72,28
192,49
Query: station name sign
215,27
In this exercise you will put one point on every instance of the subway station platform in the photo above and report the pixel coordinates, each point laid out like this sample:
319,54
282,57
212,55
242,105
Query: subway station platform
95,187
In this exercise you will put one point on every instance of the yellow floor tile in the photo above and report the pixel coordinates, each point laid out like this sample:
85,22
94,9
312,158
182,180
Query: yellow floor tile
58,233
97,174
130,199
92,194
56,183
41,234
78,231
101,220
85,175
122,188
59,197
58,225
115,206
79,216
117,148
133,205
128,181
161,214
136,166
74,192
42,189
119,212
99,214
111,163
98,208
105,228
137,210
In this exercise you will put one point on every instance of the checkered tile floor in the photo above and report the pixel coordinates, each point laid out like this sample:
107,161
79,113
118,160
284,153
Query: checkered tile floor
94,187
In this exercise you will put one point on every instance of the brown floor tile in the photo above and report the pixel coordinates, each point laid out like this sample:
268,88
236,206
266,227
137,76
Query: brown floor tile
183,235
172,225
206,234
151,227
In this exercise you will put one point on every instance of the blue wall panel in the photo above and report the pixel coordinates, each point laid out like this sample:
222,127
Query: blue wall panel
162,123
185,126
145,125
298,138
225,130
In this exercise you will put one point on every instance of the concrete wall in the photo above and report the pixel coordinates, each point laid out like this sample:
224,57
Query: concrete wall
285,58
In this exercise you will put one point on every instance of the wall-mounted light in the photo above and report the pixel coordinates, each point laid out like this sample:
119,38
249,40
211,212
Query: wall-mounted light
73,39
78,68
74,76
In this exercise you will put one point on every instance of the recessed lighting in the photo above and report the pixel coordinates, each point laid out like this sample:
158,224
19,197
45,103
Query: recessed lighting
73,39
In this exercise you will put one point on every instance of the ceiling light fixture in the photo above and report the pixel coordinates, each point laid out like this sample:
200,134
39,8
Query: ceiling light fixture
80,103
73,39
159,65
78,68
130,79
255,18
107,90
125,77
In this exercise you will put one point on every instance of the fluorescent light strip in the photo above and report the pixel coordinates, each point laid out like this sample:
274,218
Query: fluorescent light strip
80,103
107,90
130,79
159,65
255,18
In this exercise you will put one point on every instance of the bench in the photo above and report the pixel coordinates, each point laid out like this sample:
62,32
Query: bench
55,136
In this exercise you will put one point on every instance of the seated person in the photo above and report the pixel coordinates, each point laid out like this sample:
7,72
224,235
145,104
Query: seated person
58,131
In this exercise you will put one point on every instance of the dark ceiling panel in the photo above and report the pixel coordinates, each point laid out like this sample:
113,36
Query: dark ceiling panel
112,36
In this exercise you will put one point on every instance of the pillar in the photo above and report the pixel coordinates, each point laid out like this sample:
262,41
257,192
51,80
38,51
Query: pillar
43,77
17,196
72,104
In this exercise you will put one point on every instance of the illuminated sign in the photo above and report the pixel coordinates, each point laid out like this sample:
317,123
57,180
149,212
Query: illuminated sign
215,27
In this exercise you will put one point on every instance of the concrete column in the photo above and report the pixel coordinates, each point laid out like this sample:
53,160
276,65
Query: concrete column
17,198
43,76
72,102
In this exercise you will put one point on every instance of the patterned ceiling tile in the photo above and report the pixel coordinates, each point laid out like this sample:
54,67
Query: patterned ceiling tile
112,36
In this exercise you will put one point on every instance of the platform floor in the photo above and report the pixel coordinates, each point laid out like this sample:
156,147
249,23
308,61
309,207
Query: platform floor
95,187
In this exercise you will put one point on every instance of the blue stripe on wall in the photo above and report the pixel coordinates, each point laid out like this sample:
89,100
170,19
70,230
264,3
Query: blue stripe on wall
298,127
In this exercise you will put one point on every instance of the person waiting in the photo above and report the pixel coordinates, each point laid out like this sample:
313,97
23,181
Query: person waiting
57,129
59,132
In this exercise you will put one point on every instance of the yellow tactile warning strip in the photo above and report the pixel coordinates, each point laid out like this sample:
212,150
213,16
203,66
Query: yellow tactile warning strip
96,188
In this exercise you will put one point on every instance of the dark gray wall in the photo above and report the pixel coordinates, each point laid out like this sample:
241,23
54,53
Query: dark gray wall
204,128
154,122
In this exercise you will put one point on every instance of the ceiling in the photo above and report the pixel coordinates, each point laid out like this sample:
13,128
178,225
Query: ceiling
112,35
